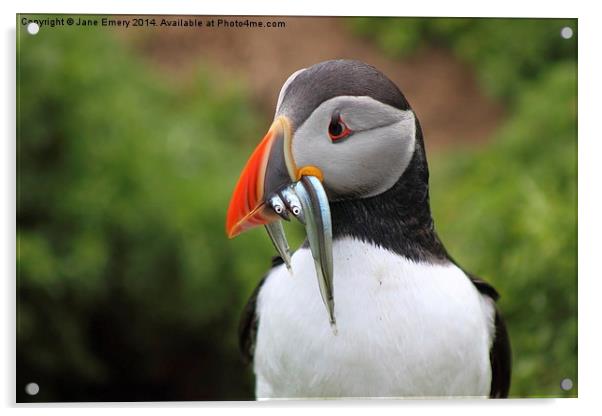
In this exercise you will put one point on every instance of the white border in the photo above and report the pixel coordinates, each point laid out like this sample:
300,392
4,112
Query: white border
590,209
508,8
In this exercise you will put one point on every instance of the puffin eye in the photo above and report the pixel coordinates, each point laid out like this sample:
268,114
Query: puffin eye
337,129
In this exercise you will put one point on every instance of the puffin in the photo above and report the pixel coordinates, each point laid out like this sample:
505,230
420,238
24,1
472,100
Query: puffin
371,304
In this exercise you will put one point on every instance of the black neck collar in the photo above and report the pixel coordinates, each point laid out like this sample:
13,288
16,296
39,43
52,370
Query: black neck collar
398,219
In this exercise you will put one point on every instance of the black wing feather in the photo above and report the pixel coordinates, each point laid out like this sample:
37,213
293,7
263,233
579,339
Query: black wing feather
500,354
501,360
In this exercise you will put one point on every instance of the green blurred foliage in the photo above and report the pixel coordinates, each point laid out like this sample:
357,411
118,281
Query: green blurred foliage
126,280
508,212
505,53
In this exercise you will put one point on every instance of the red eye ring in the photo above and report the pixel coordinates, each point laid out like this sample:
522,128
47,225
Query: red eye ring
337,129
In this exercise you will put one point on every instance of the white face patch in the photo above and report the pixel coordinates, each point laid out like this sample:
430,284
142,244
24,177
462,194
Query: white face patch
371,159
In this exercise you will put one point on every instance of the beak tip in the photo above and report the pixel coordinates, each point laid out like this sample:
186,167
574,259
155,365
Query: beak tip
232,230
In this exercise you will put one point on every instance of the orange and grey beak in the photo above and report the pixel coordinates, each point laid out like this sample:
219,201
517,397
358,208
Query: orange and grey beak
270,188
269,168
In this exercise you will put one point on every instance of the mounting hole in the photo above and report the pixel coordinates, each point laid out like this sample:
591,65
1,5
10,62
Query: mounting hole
32,389
566,32
33,28
566,384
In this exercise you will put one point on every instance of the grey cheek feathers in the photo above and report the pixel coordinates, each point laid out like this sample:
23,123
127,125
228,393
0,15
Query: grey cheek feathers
367,163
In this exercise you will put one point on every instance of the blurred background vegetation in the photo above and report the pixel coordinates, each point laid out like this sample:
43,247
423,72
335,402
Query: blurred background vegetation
127,286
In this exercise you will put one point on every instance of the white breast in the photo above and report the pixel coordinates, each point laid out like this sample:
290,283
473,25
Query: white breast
403,329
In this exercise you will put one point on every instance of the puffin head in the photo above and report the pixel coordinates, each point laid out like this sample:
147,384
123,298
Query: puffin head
342,132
